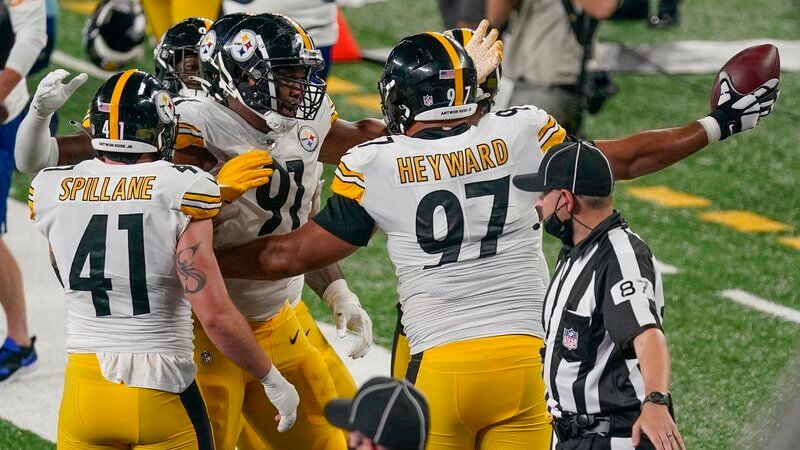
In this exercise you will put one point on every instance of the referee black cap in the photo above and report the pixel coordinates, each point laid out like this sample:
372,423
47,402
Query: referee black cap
390,412
579,167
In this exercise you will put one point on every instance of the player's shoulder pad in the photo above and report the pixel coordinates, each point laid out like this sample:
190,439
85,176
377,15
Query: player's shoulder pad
42,184
198,192
349,179
548,131
190,117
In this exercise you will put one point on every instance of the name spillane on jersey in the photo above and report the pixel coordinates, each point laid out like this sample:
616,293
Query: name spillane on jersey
280,206
113,230
460,235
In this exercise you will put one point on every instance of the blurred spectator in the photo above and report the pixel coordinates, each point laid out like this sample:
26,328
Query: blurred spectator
385,414
667,15
162,14
22,37
548,50
44,56
318,17
462,13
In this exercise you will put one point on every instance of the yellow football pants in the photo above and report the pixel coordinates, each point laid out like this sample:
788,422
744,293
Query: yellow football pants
401,352
342,380
162,14
485,393
98,414
229,391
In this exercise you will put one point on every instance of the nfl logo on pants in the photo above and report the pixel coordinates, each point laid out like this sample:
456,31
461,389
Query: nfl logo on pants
570,340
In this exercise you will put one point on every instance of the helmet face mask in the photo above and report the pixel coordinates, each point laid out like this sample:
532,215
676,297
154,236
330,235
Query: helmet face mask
269,64
176,56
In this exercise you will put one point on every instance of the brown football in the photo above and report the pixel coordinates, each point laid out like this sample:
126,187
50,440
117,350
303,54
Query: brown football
749,69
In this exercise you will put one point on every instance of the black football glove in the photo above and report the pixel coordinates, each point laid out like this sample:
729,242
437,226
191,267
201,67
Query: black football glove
737,112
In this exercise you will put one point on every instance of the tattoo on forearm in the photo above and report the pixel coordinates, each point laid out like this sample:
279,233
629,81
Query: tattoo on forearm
194,280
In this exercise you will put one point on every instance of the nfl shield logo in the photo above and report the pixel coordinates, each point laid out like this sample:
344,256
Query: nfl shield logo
427,100
570,339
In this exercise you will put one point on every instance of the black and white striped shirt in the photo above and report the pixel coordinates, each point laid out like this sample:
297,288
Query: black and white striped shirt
604,292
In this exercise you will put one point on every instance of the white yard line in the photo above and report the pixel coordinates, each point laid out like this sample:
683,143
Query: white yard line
666,269
751,301
79,65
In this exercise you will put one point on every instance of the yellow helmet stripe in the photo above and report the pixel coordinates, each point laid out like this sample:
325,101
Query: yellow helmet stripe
302,33
113,121
451,51
466,33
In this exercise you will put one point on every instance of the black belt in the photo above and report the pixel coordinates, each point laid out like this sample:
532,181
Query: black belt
578,425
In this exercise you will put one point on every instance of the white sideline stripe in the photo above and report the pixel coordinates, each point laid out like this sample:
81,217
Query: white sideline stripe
666,269
79,65
745,298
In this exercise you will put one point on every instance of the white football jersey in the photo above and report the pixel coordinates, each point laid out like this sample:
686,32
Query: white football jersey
278,207
113,231
468,261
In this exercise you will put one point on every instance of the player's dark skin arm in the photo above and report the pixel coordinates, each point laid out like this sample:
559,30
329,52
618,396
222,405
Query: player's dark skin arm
344,135
651,151
305,249
74,149
195,156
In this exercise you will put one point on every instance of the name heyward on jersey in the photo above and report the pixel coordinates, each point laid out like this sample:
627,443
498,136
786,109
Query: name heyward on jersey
422,168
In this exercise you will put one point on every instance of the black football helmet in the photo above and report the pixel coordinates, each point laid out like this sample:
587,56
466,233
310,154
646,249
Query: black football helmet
427,77
178,43
132,112
207,51
250,59
489,88
114,33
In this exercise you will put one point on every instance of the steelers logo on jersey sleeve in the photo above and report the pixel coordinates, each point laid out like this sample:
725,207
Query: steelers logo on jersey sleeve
243,46
309,139
165,107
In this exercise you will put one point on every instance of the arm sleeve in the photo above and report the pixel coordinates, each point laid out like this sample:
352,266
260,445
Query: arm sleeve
344,218
35,149
550,134
201,200
29,20
626,287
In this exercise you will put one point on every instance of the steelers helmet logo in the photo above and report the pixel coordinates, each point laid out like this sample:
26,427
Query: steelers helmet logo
243,46
309,139
165,107
207,45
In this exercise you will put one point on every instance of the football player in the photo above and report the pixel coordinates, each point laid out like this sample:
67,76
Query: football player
401,353
176,57
471,273
142,225
292,124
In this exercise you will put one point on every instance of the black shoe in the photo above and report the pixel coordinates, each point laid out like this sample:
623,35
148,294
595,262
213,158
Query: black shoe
16,359
664,20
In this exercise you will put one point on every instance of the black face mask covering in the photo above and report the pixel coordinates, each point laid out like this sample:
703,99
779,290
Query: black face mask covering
558,228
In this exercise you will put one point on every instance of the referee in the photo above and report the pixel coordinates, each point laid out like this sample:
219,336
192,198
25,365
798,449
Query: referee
606,364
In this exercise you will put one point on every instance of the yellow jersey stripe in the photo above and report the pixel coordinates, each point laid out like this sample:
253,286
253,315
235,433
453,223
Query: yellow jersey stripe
347,189
183,141
199,213
451,52
188,127
203,198
350,173
113,121
30,208
557,138
334,116
550,123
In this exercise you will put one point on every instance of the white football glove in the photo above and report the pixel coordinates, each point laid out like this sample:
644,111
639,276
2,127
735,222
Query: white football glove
736,112
283,396
485,50
52,93
349,315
